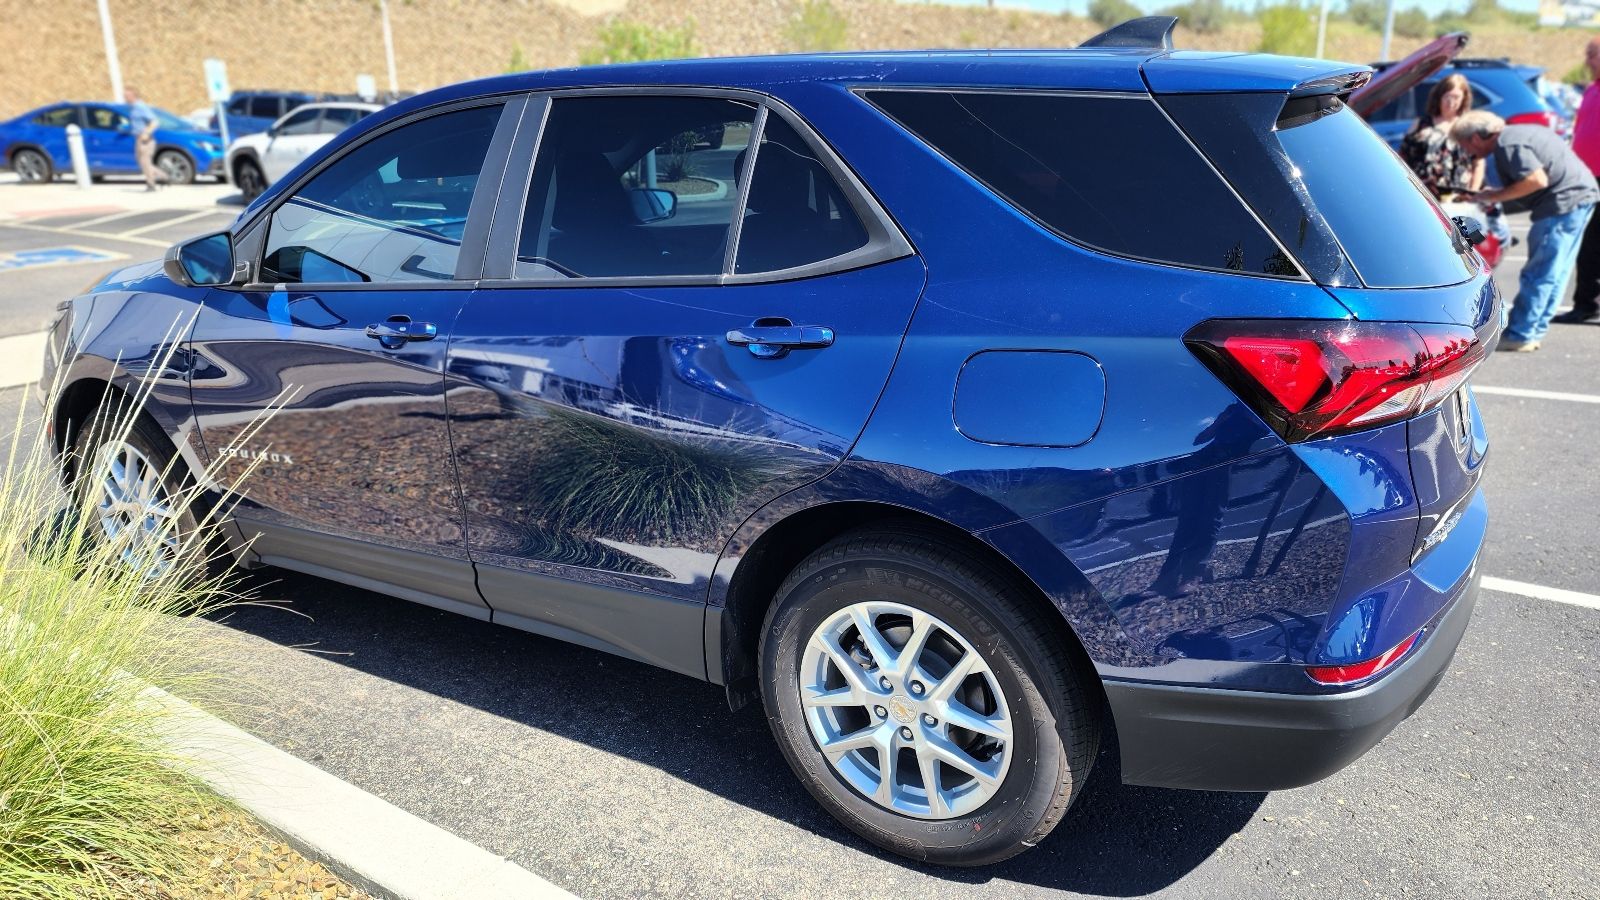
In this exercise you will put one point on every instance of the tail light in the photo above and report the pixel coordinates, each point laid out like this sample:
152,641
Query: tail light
1362,670
1547,119
1317,378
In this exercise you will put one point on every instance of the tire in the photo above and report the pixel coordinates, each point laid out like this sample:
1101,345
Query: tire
1023,681
176,166
248,177
32,167
144,440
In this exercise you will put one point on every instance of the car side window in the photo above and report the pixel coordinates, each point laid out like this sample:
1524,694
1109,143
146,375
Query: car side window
265,107
105,119
634,187
1108,172
391,210
302,122
239,106
338,118
60,117
795,213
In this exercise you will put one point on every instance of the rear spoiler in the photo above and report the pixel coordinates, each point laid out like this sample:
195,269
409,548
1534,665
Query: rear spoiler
1145,33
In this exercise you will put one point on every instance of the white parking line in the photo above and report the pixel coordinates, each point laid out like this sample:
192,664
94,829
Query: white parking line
179,220
1534,394
21,359
1540,592
103,219
95,234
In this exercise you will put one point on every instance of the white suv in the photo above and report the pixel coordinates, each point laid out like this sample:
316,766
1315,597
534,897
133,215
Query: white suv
257,160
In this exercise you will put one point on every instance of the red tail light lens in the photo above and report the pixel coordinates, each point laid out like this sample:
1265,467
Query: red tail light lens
1547,119
1362,670
1316,378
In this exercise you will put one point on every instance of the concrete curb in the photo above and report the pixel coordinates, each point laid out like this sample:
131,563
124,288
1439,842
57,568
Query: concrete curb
375,845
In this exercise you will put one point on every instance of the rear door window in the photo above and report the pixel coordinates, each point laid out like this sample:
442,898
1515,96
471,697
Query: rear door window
634,187
266,107
302,122
337,118
796,213
1109,172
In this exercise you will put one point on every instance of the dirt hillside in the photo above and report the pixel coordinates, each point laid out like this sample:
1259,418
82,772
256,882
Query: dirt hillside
324,44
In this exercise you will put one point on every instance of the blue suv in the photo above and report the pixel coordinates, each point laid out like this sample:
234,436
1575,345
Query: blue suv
957,407
34,144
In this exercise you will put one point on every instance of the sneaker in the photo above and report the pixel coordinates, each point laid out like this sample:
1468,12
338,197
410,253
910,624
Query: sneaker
1512,345
1575,317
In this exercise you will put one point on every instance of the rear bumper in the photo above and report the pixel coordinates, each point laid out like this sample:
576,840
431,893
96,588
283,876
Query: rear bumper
1231,740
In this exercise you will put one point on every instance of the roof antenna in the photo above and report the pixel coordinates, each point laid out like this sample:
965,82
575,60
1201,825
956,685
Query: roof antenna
1145,33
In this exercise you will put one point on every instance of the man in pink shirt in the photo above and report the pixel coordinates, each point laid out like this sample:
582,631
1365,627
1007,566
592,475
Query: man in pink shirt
1586,143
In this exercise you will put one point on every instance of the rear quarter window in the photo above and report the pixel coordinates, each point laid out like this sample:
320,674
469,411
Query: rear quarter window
1109,172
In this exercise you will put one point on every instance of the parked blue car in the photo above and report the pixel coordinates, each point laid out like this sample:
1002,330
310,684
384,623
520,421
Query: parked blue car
958,407
34,144
250,112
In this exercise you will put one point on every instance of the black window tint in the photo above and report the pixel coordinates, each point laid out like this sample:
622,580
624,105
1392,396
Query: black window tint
265,107
1391,229
393,209
239,106
337,119
795,214
1109,172
599,204
302,122
60,117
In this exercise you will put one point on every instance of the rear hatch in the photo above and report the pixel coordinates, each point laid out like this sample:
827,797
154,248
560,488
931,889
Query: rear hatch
1423,306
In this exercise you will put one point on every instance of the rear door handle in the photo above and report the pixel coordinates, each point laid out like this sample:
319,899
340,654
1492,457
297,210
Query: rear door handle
774,337
397,331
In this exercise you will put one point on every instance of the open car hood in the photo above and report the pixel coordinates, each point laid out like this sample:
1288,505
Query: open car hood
1407,73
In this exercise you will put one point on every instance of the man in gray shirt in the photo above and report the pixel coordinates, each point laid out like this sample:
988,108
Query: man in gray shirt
1540,175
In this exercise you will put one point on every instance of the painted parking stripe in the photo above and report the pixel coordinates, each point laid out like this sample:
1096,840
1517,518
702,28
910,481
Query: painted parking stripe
120,214
43,257
21,359
94,234
1532,394
1541,592
177,220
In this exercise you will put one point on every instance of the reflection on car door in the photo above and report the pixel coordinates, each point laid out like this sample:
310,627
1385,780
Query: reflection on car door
611,434
347,333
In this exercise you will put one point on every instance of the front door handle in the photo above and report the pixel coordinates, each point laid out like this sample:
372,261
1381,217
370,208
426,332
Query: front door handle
774,337
397,331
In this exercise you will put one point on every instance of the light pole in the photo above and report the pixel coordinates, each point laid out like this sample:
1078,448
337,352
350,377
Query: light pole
1322,29
388,46
112,64
1388,32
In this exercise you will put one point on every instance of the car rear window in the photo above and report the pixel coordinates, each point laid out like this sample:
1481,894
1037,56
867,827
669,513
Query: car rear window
1106,171
1329,188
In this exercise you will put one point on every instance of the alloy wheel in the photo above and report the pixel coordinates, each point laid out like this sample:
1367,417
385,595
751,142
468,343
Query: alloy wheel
905,710
176,167
31,166
135,511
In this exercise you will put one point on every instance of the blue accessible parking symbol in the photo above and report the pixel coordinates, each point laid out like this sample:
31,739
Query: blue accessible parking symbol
52,256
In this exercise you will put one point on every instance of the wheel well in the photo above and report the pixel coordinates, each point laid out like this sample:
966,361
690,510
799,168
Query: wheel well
77,405
11,153
754,584
240,159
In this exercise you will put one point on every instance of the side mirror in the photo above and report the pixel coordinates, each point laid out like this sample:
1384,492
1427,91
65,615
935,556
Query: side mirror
1471,229
272,131
203,262
653,204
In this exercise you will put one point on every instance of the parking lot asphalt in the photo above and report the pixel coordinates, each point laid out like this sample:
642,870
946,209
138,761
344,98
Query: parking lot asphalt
614,779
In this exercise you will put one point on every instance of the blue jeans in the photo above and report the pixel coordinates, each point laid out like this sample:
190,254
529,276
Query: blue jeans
1552,252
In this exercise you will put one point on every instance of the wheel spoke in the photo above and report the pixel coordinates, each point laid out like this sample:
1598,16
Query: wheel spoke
958,714
888,765
958,673
921,630
882,653
929,764
845,696
958,758
855,740
846,665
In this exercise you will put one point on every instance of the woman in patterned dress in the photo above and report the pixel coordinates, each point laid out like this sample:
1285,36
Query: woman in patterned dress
1439,162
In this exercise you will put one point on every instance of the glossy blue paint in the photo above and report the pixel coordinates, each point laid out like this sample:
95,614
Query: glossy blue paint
998,378
1064,398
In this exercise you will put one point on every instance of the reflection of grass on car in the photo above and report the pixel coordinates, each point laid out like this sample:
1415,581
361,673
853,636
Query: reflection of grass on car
605,477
